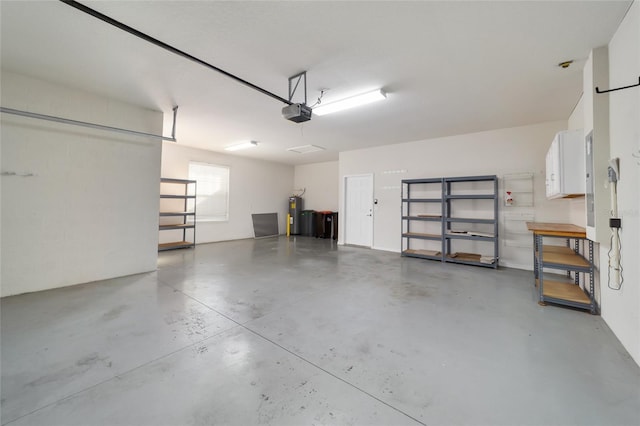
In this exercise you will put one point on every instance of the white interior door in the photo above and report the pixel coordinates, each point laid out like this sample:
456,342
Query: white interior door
358,221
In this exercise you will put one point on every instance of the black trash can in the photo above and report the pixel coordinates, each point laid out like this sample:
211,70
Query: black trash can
326,225
334,225
307,223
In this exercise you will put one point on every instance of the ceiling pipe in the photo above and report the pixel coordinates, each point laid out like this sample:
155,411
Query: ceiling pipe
169,48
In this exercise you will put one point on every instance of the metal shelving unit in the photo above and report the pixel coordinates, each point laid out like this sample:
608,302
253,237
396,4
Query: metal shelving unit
179,206
569,291
422,217
477,223
440,209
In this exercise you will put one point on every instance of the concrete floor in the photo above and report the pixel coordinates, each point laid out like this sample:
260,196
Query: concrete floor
303,332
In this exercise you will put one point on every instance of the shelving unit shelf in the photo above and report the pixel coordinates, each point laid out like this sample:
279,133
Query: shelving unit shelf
568,292
179,206
432,219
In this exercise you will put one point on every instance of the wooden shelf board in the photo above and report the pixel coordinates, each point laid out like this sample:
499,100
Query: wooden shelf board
180,181
557,249
470,262
557,229
471,178
469,257
175,245
177,197
469,236
570,259
177,226
177,213
471,220
473,257
432,253
564,291
419,234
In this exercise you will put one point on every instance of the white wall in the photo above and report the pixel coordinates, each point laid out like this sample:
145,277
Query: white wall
577,205
254,187
90,212
621,309
320,181
596,120
499,152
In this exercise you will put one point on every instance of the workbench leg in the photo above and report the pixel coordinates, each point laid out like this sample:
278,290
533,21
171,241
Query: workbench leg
535,260
591,281
576,249
540,271
568,243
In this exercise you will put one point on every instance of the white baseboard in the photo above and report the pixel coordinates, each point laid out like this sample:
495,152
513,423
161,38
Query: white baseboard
394,250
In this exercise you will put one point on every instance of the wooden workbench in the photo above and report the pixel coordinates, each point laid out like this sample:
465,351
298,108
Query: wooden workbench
566,230
563,258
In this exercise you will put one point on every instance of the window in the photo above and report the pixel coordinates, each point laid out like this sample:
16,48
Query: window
212,199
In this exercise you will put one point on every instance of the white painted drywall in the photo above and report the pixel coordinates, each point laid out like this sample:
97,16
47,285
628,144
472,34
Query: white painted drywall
499,152
596,119
254,187
90,212
621,309
576,119
320,181
577,205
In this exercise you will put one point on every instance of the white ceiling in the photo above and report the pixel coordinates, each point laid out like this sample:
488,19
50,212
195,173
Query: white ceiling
448,67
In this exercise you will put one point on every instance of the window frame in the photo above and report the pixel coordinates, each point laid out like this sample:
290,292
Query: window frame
200,198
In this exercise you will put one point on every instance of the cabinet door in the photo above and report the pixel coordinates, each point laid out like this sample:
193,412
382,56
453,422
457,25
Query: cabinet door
565,165
553,180
549,172
572,155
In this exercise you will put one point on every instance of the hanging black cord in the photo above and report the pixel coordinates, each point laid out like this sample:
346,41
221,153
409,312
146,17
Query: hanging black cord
165,46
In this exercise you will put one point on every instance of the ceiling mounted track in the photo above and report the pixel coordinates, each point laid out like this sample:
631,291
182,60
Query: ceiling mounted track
169,48
94,125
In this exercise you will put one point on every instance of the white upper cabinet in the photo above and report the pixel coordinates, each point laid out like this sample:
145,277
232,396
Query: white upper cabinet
565,174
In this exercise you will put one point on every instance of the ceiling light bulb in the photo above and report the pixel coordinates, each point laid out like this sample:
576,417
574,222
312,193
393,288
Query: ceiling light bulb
245,145
351,102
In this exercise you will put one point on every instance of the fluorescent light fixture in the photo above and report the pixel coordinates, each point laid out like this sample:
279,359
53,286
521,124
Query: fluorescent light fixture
244,145
305,149
351,102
